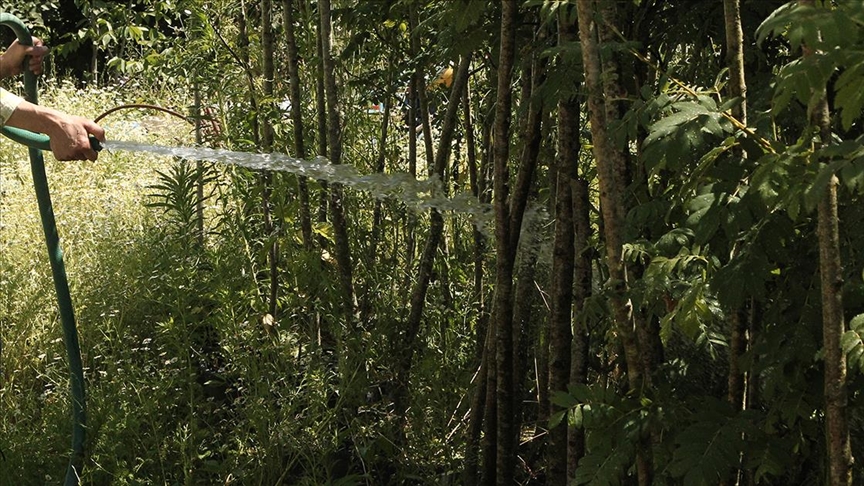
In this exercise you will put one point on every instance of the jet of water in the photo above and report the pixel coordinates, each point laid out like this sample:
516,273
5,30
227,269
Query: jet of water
416,194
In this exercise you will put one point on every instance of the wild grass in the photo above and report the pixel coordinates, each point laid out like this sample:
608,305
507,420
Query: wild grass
186,384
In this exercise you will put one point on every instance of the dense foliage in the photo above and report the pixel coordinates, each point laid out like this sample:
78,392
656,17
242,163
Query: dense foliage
669,289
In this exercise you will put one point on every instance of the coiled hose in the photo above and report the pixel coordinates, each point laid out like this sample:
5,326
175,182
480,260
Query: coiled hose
37,143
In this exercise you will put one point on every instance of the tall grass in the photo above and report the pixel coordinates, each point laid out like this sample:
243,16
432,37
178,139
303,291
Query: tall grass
186,383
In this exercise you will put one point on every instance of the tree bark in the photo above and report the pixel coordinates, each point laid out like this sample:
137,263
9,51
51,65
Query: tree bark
408,345
506,428
531,135
479,239
735,57
833,324
563,261
581,291
600,85
321,125
833,327
380,162
289,12
476,419
267,147
199,168
737,89
334,143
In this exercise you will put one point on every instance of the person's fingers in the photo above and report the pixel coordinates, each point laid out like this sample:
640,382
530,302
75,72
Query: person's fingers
37,55
94,129
90,155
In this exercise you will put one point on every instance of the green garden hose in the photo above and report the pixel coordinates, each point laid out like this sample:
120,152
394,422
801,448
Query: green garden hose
37,143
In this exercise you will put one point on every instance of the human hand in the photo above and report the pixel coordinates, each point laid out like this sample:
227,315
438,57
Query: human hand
70,137
12,61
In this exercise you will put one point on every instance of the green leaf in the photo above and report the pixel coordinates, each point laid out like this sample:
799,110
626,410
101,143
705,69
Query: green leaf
850,94
706,451
556,418
563,399
853,343
602,469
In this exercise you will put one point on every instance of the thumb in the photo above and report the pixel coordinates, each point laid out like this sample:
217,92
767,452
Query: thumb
94,129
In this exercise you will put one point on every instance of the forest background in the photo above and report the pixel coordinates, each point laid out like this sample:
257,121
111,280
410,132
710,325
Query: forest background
668,290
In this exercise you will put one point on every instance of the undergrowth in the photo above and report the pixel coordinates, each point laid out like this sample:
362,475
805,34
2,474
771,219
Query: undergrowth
186,383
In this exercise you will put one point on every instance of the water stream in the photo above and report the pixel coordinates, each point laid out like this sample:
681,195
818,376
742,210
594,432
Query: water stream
416,194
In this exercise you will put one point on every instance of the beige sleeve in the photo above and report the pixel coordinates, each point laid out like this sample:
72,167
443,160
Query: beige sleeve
8,103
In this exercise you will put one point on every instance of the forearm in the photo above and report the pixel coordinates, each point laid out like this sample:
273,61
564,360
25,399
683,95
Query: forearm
35,118
6,70
69,135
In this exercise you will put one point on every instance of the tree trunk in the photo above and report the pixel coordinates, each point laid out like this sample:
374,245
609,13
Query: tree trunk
484,338
267,147
479,239
610,160
324,332
289,12
377,212
737,89
581,291
408,345
833,324
735,57
334,143
563,271
737,318
476,419
420,91
531,131
506,428
199,169
833,327
489,442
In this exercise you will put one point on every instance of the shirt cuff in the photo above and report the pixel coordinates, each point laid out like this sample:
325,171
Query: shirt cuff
8,103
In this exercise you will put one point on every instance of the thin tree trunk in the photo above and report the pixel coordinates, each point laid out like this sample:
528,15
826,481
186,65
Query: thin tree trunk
378,209
475,422
408,345
735,57
377,212
243,54
479,239
833,324
581,291
736,382
199,169
321,125
610,161
267,147
334,143
563,271
325,336
489,442
420,91
289,12
833,327
478,404
525,286
506,428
